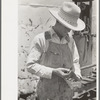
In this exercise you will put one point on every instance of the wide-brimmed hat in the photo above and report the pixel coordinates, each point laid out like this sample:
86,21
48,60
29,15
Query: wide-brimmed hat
69,15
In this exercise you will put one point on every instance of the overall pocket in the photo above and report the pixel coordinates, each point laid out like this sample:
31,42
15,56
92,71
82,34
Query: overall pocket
54,58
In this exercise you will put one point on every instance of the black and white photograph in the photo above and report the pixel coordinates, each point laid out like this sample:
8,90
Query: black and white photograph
57,49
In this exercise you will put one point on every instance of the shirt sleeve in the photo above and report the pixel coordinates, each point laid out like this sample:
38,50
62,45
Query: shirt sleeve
76,61
33,59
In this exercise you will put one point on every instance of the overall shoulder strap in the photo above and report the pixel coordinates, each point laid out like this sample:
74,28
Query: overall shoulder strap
71,45
47,36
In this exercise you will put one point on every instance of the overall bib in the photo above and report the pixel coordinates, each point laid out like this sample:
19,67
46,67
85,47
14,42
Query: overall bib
57,56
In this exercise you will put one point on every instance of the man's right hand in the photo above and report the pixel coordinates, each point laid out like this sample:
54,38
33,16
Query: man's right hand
62,72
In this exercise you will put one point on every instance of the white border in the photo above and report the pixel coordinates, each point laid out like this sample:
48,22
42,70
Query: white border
9,49
97,46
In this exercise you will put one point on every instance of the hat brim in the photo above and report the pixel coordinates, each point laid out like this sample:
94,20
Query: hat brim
80,24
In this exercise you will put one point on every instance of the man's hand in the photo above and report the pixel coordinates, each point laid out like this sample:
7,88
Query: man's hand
62,72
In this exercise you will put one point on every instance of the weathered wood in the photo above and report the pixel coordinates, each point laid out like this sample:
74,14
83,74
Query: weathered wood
88,66
82,0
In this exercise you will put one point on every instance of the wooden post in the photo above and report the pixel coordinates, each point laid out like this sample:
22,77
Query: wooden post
90,16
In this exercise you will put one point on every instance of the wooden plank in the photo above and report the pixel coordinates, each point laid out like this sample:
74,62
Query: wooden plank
82,0
86,88
88,66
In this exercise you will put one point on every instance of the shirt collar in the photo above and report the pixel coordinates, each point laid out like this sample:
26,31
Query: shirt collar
53,34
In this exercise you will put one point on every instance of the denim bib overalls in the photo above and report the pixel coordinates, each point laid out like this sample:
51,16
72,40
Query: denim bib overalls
56,56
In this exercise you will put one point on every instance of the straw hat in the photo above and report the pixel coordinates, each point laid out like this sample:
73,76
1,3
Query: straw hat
68,15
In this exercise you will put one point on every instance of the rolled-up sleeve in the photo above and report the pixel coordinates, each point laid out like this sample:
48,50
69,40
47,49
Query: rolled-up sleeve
33,65
76,61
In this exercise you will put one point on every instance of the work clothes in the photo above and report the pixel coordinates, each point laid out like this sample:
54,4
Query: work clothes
48,52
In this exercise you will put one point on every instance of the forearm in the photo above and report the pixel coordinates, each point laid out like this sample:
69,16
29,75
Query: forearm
40,70
77,69
76,62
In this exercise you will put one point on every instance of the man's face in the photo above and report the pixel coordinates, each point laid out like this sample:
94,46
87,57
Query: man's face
64,30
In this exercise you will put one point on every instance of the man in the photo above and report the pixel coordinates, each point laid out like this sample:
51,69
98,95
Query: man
54,56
